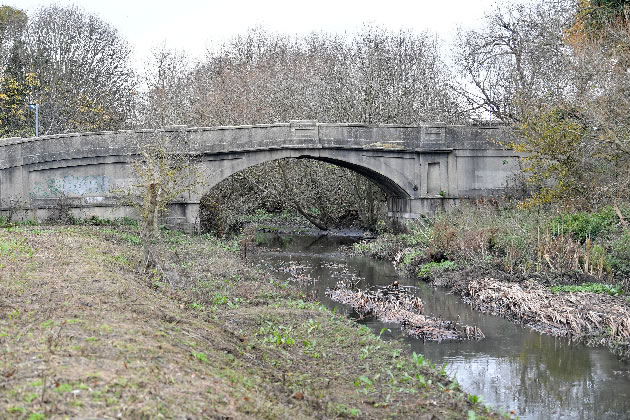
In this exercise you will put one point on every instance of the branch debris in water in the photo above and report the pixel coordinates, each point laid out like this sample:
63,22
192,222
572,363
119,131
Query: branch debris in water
396,304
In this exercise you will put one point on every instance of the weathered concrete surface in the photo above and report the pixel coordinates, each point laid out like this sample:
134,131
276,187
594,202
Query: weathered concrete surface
421,168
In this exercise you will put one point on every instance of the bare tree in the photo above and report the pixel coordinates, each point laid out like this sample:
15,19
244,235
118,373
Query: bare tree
167,100
517,60
82,64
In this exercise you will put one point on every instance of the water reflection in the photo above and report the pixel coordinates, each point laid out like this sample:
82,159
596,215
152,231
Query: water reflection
514,368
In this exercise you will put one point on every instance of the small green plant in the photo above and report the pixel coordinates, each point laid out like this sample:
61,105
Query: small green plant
364,384
30,397
64,388
196,306
36,416
474,398
278,335
219,299
428,269
202,357
418,359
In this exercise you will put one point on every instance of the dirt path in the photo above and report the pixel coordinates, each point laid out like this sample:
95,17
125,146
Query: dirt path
84,334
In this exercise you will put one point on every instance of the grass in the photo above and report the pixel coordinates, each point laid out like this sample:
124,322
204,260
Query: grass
86,334
432,268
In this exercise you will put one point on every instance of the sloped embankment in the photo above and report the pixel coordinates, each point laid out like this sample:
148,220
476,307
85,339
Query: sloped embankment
85,334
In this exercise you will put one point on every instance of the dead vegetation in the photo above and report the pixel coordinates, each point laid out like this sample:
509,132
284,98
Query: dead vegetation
397,304
592,318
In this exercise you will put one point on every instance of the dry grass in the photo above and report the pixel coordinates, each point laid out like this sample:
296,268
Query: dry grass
84,334
583,316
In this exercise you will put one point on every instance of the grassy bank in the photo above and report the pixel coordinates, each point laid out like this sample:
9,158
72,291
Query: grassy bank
547,263
85,333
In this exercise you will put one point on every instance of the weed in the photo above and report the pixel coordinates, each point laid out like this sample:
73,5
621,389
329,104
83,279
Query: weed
219,299
30,397
474,398
36,416
364,385
64,388
16,410
418,359
202,357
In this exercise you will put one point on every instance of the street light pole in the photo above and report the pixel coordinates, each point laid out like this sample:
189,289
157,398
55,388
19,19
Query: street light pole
36,108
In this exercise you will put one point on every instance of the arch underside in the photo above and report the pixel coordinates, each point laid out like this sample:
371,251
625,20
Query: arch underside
391,188
230,166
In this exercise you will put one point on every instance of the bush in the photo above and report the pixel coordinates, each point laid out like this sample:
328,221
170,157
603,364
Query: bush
619,257
584,225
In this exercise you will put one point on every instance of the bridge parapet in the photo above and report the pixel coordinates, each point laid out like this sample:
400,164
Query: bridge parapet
229,139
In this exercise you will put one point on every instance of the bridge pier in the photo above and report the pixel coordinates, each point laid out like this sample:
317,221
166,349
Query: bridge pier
183,216
412,208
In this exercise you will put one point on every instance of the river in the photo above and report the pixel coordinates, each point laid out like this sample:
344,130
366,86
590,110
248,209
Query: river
514,368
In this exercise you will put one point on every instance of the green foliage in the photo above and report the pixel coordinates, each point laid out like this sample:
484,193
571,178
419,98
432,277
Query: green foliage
589,287
619,257
202,357
584,225
13,112
280,335
431,268
552,140
418,359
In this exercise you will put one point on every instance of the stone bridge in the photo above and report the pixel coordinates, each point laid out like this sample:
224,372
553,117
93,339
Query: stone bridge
421,168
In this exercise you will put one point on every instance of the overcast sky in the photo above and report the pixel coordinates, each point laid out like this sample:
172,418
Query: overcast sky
193,25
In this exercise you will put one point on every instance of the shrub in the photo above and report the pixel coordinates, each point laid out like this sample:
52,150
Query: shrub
619,257
584,225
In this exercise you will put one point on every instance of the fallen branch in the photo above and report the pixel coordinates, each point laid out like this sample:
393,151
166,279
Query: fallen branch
396,304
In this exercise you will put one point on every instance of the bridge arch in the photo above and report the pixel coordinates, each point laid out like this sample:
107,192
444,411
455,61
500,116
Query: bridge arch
235,163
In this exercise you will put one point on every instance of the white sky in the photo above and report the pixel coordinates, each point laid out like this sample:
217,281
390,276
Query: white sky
193,25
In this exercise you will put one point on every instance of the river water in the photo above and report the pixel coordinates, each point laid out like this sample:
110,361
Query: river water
514,368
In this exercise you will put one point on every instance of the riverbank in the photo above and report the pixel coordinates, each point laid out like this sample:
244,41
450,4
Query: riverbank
560,274
85,333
